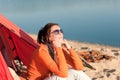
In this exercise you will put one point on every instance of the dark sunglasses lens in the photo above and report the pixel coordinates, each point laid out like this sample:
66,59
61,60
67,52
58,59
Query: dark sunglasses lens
57,31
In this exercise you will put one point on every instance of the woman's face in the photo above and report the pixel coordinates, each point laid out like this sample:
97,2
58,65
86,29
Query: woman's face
56,33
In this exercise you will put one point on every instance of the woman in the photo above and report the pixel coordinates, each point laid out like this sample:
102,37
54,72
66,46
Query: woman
55,59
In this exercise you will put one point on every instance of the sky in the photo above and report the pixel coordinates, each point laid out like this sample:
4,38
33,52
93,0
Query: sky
91,15
20,6
31,6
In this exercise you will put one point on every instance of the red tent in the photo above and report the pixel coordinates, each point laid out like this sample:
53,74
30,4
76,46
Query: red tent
14,43
4,71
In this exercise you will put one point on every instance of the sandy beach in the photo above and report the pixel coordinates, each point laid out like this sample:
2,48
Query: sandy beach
106,68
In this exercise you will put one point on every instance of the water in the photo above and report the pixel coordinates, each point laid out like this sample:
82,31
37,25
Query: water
94,21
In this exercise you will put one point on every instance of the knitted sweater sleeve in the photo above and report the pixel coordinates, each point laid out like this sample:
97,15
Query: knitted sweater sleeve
60,68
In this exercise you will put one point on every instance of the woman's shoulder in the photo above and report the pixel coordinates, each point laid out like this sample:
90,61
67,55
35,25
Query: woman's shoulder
40,50
42,47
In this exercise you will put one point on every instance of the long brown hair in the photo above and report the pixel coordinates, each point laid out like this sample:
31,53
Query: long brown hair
43,34
43,37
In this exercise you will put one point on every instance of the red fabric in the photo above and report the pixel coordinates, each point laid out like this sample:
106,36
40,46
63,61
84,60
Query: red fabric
1,44
7,42
23,49
4,72
16,41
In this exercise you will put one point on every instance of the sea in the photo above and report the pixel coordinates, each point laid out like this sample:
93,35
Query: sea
93,21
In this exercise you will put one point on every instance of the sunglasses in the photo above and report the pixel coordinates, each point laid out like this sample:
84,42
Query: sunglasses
57,31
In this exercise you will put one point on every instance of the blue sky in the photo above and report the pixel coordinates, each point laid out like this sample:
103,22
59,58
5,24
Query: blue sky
26,6
85,18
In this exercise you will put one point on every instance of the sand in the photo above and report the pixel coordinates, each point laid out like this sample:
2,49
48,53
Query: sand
105,69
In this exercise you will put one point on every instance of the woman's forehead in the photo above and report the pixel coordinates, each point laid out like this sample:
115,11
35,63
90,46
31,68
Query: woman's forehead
55,27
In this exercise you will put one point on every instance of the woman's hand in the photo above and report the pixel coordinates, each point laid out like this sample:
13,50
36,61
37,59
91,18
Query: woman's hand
57,42
65,43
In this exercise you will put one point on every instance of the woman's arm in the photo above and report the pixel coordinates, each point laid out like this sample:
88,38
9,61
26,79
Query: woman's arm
72,57
60,68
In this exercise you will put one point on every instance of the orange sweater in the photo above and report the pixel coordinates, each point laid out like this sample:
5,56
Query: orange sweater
42,64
